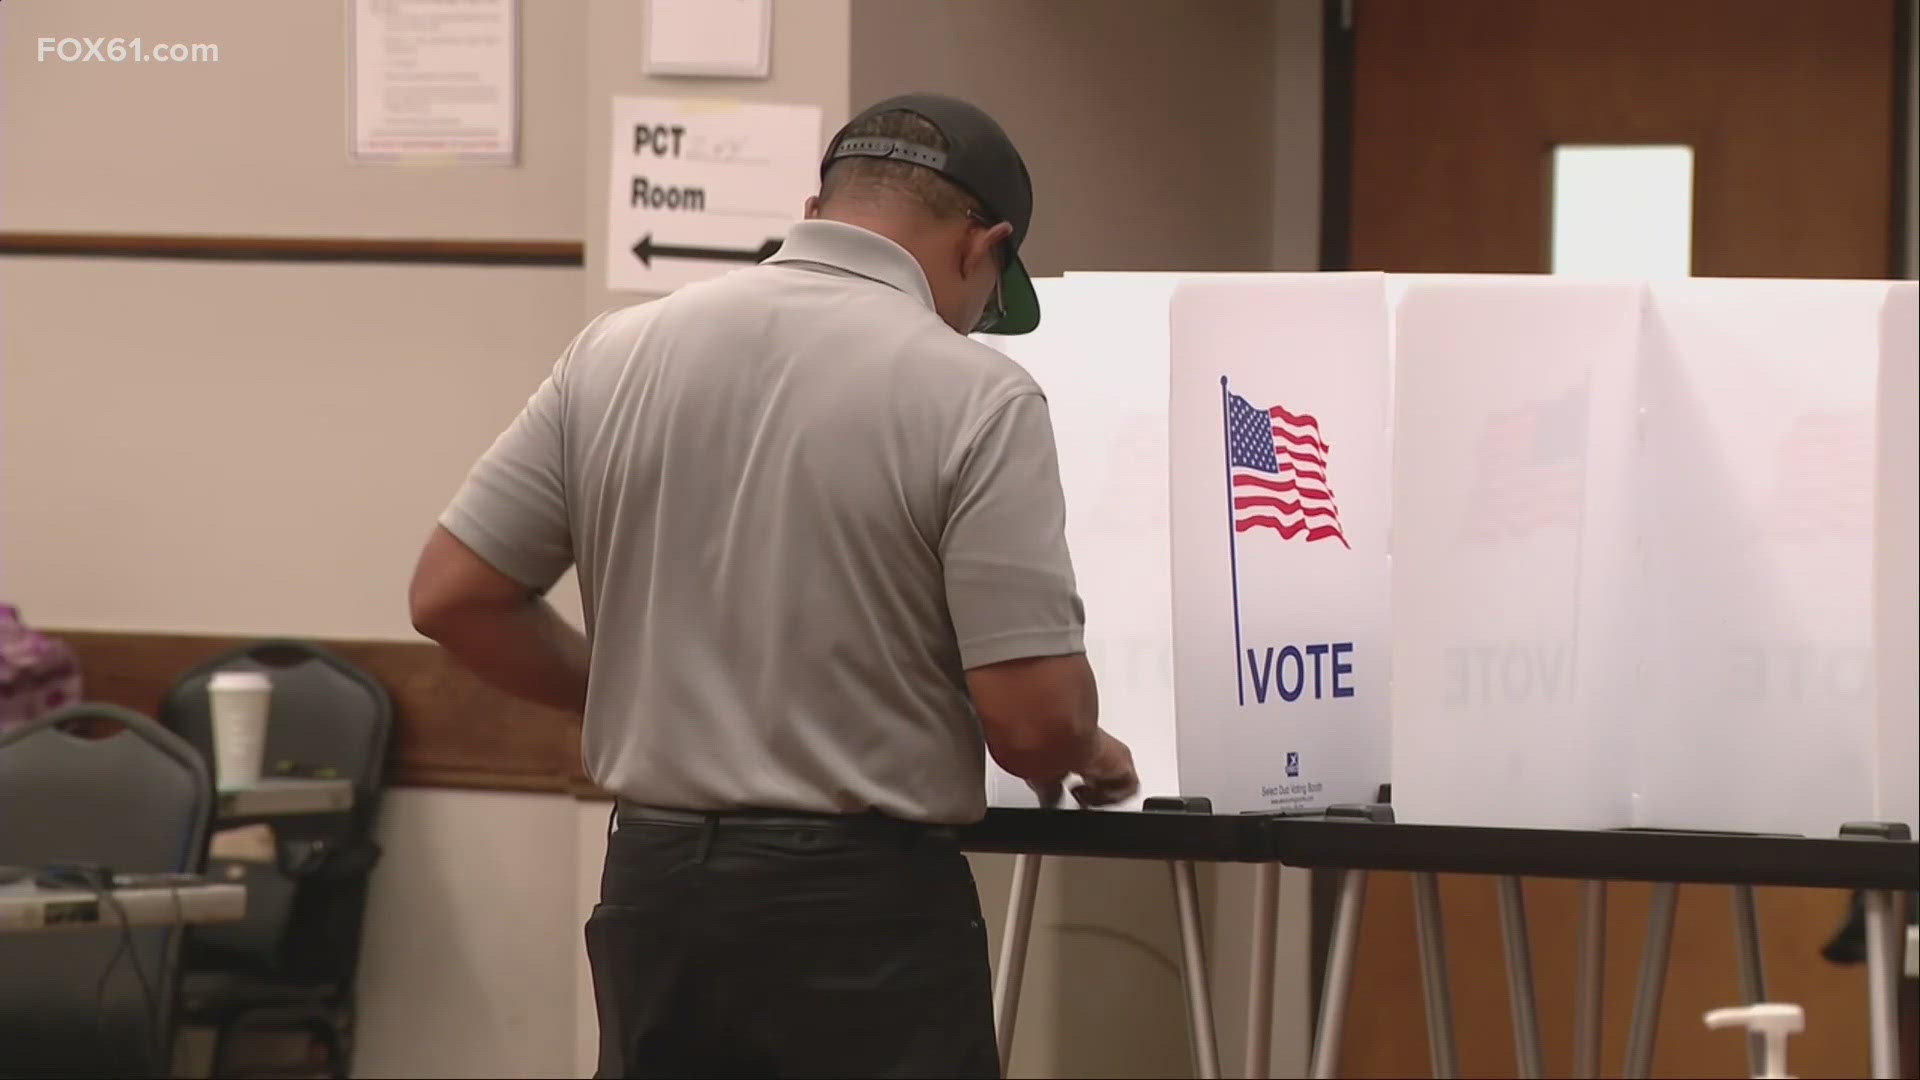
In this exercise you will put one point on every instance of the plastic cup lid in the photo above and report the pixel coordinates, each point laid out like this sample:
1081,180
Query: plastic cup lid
240,680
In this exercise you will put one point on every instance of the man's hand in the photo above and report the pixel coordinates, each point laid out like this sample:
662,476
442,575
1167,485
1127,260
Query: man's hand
1107,777
1047,791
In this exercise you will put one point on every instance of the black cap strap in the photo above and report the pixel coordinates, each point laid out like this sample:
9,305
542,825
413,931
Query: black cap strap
877,146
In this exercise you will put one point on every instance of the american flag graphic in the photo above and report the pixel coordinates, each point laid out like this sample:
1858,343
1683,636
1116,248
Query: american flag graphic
1278,462
1529,470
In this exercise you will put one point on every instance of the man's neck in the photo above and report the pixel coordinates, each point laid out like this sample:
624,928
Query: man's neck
910,232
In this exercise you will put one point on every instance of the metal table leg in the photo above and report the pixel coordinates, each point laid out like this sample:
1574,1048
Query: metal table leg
1653,981
1339,976
1266,934
1526,1020
1013,952
1193,956
1753,978
1883,967
1588,980
1433,973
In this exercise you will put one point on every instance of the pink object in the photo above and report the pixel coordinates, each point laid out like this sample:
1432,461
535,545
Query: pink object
37,673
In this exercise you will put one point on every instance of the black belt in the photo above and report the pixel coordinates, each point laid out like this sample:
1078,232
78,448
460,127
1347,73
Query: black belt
867,824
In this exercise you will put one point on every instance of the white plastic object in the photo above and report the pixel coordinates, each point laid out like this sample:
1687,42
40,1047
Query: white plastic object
1774,1022
239,702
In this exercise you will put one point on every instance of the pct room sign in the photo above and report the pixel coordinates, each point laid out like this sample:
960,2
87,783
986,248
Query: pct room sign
700,187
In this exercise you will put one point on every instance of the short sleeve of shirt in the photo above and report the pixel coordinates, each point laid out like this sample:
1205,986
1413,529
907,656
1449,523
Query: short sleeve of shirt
1009,578
512,510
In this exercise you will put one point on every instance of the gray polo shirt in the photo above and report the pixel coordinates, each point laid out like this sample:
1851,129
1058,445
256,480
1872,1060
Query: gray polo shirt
801,506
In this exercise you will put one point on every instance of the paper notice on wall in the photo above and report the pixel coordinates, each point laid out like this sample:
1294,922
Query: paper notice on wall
435,81
716,38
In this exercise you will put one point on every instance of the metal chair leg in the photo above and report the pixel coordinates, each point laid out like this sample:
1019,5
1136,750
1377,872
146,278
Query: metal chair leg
222,1043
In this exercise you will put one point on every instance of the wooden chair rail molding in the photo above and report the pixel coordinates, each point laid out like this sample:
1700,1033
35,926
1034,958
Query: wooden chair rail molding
450,729
297,249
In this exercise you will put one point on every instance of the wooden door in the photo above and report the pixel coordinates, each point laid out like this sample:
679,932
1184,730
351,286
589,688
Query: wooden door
1788,104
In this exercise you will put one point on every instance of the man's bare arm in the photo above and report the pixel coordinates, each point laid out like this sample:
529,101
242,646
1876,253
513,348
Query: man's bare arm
1041,718
496,627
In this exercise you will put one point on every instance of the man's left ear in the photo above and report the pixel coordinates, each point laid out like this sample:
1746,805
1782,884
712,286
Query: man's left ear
980,252
812,209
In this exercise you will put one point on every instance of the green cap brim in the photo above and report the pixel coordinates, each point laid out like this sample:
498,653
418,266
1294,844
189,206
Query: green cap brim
1021,303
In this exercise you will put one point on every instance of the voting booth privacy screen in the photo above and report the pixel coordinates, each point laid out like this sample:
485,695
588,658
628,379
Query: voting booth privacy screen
1755,542
1540,551
1503,466
1278,453
1896,593
1106,386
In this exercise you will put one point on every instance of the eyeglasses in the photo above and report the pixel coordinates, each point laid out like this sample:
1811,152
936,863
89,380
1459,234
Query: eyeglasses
993,313
996,308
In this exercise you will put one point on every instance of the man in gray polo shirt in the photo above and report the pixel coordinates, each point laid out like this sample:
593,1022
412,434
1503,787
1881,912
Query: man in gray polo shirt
820,541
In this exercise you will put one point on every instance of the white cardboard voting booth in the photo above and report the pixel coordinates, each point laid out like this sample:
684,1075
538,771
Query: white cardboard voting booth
1512,420
1110,349
1106,386
1652,547
1662,614
1754,627
1897,537
1280,482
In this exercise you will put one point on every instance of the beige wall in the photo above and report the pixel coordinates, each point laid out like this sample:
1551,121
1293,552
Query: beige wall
1297,111
1156,133
256,144
249,448
809,67
471,934
258,449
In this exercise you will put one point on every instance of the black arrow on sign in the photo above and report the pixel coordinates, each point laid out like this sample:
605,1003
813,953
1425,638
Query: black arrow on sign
647,251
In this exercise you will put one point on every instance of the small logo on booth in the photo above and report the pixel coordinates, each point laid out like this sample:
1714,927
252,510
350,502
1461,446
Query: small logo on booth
1293,763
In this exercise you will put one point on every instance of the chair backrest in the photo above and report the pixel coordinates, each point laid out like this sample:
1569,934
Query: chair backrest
137,801
324,713
304,911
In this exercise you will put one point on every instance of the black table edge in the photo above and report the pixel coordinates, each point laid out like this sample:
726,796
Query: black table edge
1322,843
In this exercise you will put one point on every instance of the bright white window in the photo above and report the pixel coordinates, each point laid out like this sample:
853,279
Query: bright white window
1623,211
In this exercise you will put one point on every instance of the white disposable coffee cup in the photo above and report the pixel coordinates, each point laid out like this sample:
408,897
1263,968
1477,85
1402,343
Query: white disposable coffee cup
239,700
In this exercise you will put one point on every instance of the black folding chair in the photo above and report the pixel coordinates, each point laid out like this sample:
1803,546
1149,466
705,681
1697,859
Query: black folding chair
291,963
97,1001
